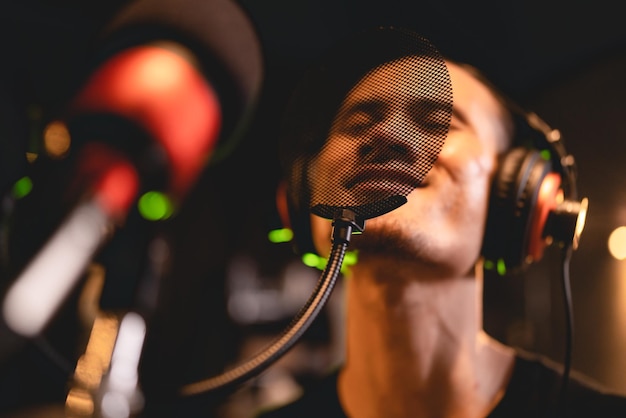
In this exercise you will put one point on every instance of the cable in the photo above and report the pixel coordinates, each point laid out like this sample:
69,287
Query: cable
569,327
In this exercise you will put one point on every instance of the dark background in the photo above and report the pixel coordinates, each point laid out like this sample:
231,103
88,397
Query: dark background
566,60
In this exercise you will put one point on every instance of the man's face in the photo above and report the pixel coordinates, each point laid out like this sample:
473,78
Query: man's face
386,134
443,221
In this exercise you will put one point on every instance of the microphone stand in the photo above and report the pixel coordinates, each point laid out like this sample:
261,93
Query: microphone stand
105,382
106,378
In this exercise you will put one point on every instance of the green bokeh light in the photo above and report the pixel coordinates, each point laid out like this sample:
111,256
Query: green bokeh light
155,206
488,265
280,235
22,187
310,259
320,263
350,258
501,267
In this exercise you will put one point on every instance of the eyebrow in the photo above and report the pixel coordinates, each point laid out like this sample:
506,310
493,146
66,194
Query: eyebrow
369,105
376,104
429,104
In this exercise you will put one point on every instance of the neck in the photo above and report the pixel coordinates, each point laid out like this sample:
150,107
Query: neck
416,347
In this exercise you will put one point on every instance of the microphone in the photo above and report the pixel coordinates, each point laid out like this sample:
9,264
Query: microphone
180,77
168,91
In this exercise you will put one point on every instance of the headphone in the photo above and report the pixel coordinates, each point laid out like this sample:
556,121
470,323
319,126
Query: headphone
532,199
532,202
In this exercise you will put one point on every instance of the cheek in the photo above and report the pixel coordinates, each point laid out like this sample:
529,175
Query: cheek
475,210
327,167
466,157
477,177
471,164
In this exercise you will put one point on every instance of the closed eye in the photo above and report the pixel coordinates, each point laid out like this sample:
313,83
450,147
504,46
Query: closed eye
359,118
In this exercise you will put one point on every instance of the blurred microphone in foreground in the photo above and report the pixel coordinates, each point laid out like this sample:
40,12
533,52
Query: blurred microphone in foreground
169,89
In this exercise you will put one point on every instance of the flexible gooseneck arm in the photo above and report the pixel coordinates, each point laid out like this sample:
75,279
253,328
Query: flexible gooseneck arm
344,224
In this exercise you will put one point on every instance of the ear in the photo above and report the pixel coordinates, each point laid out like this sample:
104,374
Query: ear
282,206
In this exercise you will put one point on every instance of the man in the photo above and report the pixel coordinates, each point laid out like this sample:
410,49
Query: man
415,344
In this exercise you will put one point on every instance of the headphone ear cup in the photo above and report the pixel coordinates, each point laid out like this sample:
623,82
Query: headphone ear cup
297,220
515,211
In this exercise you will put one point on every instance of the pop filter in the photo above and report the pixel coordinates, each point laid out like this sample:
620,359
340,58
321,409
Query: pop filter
364,127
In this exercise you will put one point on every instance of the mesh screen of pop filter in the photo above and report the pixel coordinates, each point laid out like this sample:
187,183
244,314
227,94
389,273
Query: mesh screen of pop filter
365,126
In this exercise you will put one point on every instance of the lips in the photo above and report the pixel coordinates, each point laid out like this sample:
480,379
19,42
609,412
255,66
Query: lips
383,177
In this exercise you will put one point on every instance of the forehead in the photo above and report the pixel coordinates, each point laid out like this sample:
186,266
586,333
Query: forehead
469,91
479,107
415,78
418,76
410,76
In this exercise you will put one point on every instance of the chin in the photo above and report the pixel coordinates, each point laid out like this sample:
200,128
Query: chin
446,254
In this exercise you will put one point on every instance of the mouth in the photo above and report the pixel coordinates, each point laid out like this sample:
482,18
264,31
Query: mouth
384,178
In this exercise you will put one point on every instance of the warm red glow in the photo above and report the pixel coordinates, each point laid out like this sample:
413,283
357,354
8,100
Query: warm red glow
282,206
115,179
117,188
547,200
165,94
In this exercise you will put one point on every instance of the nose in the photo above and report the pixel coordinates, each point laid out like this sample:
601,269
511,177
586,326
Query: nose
394,138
